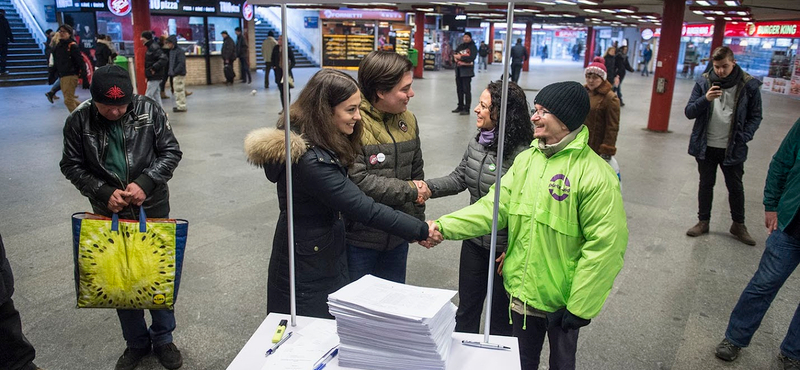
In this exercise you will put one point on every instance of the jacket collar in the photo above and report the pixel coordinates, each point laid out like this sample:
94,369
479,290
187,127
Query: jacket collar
603,89
268,145
581,140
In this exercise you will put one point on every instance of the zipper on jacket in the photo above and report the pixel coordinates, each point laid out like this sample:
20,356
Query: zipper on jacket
480,173
396,164
733,122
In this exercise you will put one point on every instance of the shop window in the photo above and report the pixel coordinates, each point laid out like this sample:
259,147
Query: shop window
120,29
215,27
189,31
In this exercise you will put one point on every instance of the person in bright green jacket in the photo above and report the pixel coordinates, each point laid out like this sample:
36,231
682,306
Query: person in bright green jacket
567,231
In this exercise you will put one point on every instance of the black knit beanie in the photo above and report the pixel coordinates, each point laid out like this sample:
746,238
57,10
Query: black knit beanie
111,85
568,101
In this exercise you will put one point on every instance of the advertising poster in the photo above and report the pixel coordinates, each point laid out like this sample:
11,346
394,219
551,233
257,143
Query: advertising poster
794,89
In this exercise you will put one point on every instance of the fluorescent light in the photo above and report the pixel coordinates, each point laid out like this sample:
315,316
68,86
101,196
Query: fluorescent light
728,18
608,10
621,16
698,12
476,3
545,2
591,11
567,15
424,9
741,13
588,2
627,11
702,2
566,2
731,3
635,16
710,18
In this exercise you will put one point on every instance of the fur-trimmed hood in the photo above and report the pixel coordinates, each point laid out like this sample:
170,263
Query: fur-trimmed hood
265,147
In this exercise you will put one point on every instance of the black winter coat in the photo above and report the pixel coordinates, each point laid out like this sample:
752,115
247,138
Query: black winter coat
475,173
177,62
746,119
102,54
324,198
151,152
241,47
5,31
611,68
67,59
6,277
228,50
155,61
622,65
466,67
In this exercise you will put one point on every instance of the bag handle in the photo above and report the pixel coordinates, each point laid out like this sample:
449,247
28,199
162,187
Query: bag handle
142,221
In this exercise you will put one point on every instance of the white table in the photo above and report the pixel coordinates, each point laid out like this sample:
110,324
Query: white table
461,357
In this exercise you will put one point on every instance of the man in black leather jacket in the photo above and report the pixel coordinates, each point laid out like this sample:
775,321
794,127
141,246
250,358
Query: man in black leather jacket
119,151
155,63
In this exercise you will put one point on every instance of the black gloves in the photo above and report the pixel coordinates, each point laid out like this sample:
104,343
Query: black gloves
565,320
85,84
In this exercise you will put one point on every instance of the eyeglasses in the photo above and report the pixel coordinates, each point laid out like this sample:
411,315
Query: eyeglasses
540,112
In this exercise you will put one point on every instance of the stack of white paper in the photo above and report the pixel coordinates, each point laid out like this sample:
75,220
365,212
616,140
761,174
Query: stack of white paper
386,325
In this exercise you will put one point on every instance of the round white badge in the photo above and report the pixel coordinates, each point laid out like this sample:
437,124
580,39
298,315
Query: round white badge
381,157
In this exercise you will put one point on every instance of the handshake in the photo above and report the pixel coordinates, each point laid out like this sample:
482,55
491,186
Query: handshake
434,235
423,192
133,194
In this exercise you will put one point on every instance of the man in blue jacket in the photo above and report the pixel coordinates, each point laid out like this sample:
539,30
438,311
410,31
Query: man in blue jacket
780,258
726,107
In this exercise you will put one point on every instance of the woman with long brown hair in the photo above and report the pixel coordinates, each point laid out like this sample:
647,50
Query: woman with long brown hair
326,127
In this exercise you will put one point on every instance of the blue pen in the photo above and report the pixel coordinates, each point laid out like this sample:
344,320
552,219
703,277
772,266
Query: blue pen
275,347
327,357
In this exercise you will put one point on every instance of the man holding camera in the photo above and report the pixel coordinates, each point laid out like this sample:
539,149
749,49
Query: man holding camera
726,107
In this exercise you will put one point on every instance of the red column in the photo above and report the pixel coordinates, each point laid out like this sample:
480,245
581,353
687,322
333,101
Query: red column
419,42
719,34
140,17
491,43
589,50
528,34
666,64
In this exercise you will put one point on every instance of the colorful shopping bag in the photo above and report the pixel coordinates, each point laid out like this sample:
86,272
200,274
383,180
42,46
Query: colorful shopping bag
127,263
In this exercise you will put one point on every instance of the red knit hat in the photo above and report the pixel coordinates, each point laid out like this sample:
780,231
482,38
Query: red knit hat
598,67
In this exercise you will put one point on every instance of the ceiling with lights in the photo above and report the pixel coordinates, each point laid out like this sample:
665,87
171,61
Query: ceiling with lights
629,13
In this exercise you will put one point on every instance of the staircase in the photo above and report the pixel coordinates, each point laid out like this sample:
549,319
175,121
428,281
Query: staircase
300,58
26,63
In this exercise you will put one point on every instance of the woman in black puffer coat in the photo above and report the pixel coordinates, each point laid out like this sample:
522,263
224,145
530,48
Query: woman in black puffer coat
324,142
476,173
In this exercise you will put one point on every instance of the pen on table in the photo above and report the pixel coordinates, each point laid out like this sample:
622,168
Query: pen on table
279,331
327,357
484,345
275,347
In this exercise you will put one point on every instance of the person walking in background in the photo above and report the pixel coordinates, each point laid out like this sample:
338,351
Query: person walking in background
690,59
476,173
68,65
623,66
464,56
388,167
155,62
119,151
228,56
326,114
177,73
483,53
162,43
603,117
6,36
567,229
52,74
544,53
277,66
17,352
726,107
647,54
779,260
243,53
266,53
610,60
519,56
104,51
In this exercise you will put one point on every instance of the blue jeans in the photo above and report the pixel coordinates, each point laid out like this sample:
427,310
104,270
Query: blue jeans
389,265
136,333
780,258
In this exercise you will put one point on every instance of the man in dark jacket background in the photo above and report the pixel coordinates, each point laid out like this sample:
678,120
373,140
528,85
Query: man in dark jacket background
621,60
17,353
68,65
155,61
464,56
119,151
228,56
177,72
243,53
5,37
726,107
519,55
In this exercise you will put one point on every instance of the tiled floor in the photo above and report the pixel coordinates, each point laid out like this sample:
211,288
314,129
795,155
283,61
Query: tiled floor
668,310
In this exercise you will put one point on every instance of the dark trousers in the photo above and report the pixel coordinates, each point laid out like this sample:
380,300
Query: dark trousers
278,77
464,91
136,332
562,345
245,67
16,353
472,276
515,71
708,176
3,57
266,75
164,79
618,89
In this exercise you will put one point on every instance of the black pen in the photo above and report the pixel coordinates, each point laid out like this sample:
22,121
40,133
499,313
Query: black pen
275,347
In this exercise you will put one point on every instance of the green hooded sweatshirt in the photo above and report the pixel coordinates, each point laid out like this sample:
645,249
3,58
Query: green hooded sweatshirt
567,231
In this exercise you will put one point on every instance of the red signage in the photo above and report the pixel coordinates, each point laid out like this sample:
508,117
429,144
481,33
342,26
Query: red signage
788,29
362,14
119,7
568,34
247,11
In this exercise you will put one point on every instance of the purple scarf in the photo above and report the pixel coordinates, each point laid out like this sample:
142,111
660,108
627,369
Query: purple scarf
486,137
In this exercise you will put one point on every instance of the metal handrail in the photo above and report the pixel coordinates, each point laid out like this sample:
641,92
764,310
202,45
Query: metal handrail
29,19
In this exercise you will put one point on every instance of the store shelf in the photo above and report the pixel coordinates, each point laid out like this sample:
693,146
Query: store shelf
346,50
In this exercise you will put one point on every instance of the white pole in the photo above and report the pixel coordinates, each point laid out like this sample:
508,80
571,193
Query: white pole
287,131
499,173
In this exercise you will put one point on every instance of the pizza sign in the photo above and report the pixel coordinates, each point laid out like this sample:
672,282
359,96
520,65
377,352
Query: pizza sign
247,11
119,7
